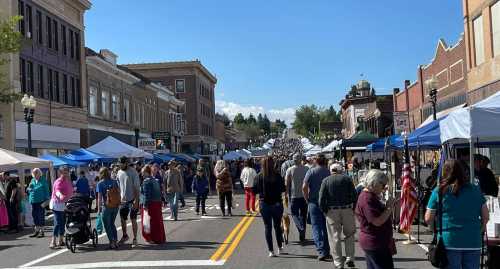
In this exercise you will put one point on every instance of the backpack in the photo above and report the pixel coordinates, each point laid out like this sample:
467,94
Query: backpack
113,197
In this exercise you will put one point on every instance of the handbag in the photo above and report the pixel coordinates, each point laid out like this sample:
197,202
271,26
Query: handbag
4,216
99,226
146,222
437,250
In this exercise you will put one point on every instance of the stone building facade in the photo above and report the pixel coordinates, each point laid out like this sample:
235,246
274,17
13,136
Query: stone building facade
126,105
195,85
482,40
51,67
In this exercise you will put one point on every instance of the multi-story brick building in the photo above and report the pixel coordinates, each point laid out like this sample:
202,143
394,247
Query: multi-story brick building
126,105
482,40
51,67
194,84
448,68
358,111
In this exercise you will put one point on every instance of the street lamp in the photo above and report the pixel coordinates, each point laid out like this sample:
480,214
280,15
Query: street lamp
431,86
29,105
377,115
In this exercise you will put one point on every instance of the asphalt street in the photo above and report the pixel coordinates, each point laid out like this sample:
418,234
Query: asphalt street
192,242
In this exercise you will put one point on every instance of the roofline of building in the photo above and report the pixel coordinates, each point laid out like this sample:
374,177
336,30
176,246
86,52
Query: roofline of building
179,64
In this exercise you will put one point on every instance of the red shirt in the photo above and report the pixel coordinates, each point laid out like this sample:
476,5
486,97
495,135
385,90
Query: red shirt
372,237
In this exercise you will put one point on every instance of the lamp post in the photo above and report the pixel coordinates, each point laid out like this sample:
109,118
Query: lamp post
431,86
377,115
29,105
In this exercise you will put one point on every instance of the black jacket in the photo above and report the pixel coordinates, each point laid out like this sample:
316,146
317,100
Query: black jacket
269,189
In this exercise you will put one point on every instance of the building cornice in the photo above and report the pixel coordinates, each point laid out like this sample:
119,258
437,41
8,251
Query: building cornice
81,5
102,65
171,65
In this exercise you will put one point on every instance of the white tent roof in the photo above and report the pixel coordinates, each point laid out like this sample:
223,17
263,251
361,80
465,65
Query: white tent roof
115,148
10,160
332,146
313,151
479,121
440,114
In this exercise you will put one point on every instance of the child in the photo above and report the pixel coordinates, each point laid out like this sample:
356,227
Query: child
200,187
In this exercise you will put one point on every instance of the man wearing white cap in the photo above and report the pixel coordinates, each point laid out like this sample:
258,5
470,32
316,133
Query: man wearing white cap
337,199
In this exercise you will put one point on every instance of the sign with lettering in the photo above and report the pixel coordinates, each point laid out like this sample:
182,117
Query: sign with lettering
401,122
147,144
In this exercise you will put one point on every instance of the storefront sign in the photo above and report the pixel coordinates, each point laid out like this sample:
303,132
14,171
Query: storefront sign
401,122
147,144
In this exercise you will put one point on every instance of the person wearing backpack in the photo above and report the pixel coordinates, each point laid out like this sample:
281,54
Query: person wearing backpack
108,201
153,229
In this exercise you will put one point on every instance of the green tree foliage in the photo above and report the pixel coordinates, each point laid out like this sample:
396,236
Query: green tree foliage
224,118
239,119
251,120
308,117
255,128
10,42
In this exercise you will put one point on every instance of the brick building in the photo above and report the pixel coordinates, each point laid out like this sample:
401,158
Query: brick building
51,67
195,85
482,40
362,109
448,68
123,104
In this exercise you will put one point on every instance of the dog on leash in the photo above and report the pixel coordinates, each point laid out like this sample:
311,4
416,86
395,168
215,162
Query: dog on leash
285,221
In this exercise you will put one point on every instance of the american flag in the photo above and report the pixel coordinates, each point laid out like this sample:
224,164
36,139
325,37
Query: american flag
409,201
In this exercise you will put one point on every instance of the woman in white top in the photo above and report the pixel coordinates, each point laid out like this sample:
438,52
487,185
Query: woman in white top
248,175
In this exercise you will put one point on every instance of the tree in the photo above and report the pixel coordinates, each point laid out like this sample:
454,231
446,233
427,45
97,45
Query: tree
224,118
266,125
329,115
239,119
306,120
251,120
10,42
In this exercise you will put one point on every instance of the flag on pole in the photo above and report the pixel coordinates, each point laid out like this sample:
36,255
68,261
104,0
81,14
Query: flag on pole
409,201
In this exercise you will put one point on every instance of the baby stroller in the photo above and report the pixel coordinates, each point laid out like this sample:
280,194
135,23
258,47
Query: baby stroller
78,225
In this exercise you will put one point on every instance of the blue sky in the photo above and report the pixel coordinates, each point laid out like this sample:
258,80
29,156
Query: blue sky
273,56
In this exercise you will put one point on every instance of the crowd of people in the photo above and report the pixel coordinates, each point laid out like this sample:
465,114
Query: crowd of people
312,191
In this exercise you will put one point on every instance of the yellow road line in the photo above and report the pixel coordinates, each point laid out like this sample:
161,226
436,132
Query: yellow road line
226,242
238,238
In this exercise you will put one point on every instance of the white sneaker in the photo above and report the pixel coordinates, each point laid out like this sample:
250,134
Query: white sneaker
280,251
271,254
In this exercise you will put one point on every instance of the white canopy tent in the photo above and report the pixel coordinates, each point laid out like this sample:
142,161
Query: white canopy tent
10,160
477,123
313,151
335,144
115,148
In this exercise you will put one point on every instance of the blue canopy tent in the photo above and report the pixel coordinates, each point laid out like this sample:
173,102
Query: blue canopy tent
379,145
83,155
425,137
58,161
162,158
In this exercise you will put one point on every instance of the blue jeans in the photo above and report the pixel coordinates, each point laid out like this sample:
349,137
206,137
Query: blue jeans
298,209
173,203
319,231
38,214
59,222
463,259
271,215
108,221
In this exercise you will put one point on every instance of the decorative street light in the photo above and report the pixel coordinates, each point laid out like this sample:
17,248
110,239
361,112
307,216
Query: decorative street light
431,86
377,115
29,105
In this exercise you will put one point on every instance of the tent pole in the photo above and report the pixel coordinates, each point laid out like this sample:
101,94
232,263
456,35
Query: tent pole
471,155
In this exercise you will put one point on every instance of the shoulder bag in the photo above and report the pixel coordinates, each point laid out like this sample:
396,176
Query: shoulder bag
437,250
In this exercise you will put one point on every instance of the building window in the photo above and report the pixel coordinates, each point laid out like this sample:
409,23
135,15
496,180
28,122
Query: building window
104,104
64,42
92,101
56,34
30,83
77,46
73,91
495,28
115,107
39,27
126,110
20,6
50,82
29,21
180,85
143,124
39,82
478,39
22,74
56,87
49,32
78,93
65,89
71,44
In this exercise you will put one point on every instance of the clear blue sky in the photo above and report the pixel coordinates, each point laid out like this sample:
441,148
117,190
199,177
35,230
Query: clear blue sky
274,55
